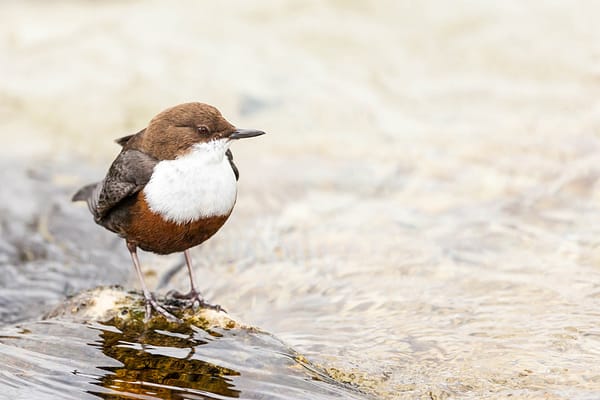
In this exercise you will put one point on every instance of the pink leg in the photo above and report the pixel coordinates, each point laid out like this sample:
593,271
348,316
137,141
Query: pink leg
151,303
193,294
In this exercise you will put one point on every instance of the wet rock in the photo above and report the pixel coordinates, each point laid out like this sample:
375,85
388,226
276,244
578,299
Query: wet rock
125,309
96,344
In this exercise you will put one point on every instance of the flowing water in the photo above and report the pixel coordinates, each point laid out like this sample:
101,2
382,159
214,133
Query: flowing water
420,219
204,357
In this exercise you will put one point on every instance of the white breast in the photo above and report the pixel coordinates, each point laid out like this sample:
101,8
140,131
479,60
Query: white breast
198,185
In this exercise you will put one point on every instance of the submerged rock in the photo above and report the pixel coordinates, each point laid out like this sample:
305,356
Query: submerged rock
96,344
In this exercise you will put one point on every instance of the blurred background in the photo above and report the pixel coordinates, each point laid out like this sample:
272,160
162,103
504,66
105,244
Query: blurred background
421,215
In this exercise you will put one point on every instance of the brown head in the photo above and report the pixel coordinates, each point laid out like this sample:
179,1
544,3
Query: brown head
174,131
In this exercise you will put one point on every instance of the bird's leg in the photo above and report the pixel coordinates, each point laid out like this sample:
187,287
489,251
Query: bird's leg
151,303
193,295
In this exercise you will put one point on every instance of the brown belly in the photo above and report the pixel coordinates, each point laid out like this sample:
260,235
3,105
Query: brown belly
153,233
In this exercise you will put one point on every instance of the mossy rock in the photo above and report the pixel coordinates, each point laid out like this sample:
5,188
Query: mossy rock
126,310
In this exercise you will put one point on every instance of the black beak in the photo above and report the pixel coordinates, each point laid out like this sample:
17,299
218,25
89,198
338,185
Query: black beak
245,133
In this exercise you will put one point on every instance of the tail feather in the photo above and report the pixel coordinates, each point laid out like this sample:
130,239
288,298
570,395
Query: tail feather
84,193
89,194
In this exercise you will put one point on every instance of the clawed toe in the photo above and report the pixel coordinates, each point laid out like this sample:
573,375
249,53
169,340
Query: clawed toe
196,300
216,307
151,303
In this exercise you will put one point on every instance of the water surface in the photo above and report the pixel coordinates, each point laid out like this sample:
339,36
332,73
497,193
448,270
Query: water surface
67,360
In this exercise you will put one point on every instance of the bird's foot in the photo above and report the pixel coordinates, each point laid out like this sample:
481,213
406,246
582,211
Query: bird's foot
196,299
151,303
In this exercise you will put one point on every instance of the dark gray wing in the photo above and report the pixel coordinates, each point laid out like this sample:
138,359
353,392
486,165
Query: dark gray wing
127,175
229,155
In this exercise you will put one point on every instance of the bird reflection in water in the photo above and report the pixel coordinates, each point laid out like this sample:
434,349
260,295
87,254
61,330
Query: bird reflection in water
159,362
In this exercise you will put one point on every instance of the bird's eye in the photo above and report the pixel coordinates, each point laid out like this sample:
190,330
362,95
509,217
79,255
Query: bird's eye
203,130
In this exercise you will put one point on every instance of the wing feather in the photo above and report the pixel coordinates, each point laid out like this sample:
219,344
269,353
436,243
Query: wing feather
128,174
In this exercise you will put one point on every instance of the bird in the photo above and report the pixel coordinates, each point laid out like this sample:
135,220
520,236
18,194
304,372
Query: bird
172,186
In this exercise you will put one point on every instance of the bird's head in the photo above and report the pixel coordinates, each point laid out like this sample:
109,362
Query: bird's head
179,130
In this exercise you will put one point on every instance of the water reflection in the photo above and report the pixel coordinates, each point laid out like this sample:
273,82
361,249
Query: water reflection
161,363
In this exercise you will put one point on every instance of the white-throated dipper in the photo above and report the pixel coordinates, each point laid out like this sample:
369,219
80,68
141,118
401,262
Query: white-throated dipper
172,186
